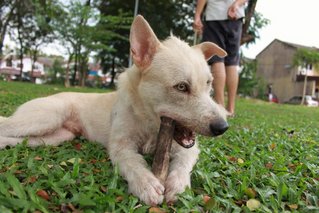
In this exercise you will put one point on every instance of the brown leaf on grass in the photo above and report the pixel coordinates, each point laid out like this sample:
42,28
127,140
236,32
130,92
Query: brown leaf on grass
250,192
293,206
103,189
156,210
32,179
93,161
206,198
96,171
232,158
269,165
272,146
119,199
38,158
240,202
43,194
78,146
17,172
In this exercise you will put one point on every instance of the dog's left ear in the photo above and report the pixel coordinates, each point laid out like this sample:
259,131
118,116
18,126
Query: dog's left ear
144,43
210,49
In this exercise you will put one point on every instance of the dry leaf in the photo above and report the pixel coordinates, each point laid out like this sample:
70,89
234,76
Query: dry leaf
37,158
250,192
206,198
119,199
253,204
78,146
268,165
156,210
240,161
293,206
43,194
272,146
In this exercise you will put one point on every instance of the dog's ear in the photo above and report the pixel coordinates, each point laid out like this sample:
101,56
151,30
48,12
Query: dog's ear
144,43
210,49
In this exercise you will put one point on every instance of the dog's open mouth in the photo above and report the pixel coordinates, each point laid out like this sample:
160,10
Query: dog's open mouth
184,136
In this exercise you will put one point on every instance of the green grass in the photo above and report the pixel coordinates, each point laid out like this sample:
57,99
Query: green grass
270,154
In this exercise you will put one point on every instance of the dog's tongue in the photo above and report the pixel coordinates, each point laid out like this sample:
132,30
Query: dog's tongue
184,136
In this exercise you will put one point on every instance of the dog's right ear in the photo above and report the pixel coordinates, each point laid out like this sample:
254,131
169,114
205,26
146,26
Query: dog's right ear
210,49
144,43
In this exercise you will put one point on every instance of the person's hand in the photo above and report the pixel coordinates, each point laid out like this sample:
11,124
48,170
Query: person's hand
198,25
232,11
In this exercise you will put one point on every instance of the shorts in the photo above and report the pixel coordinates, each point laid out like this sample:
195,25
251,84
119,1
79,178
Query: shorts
227,35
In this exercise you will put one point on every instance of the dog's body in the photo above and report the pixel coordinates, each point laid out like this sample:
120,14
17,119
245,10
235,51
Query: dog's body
168,79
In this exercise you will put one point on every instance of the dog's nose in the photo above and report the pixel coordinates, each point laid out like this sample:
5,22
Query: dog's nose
218,128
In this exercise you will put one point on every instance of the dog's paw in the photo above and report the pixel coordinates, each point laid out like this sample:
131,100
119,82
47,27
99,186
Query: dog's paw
176,183
148,188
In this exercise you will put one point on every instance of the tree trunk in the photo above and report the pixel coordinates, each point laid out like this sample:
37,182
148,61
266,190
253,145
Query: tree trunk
67,72
246,37
304,89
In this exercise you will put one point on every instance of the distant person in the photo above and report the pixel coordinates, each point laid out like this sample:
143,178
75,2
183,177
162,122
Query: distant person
223,26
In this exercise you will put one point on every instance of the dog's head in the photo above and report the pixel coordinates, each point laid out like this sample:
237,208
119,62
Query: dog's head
176,82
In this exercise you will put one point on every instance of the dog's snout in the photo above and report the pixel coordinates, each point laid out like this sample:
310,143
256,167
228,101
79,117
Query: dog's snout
218,128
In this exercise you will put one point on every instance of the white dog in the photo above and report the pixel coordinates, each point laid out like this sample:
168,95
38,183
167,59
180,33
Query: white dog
168,79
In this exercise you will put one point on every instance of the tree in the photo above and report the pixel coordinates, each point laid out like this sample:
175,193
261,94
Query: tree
7,8
305,58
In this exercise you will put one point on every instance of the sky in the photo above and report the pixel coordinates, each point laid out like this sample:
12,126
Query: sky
290,20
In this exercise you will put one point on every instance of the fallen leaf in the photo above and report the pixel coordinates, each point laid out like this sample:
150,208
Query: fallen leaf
78,146
17,172
156,210
43,194
293,206
240,161
231,158
253,204
93,161
103,189
268,165
209,202
32,179
37,158
250,192
206,198
72,160
63,163
119,199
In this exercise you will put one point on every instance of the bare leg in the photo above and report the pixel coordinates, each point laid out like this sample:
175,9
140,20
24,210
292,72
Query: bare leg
219,74
231,84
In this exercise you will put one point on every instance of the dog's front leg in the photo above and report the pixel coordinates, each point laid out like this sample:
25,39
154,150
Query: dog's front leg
142,183
180,168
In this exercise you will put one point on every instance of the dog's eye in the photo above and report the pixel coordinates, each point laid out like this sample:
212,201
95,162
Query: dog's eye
209,82
182,87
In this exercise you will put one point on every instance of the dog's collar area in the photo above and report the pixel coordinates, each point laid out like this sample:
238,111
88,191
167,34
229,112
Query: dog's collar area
184,136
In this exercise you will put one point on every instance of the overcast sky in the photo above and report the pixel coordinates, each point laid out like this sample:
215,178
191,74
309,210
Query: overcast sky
290,20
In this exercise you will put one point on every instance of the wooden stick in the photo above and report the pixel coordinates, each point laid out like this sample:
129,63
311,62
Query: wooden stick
164,142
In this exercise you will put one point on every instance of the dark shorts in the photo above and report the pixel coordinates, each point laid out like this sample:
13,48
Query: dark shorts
227,35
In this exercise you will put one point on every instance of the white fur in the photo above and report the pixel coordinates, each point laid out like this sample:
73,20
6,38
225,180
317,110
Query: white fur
127,121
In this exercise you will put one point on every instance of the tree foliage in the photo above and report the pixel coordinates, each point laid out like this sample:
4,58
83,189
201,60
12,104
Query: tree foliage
99,28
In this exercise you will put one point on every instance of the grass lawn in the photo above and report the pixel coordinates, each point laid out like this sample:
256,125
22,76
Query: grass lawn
268,161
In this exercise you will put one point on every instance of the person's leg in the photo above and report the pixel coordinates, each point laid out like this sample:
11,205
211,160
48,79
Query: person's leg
231,84
219,75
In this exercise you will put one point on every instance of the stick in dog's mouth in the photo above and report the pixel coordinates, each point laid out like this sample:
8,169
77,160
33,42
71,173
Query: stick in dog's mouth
184,136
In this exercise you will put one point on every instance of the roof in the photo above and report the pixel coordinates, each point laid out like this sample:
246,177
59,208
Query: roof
297,46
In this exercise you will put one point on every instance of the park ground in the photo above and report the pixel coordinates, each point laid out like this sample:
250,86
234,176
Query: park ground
266,162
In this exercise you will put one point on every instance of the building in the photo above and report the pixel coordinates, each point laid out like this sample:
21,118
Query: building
283,79
10,67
